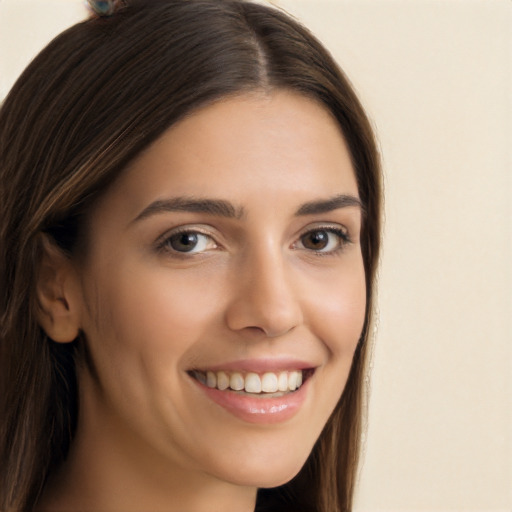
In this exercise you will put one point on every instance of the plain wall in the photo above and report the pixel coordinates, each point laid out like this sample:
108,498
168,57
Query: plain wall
436,78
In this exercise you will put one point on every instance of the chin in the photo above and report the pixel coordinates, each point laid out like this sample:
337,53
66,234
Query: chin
268,474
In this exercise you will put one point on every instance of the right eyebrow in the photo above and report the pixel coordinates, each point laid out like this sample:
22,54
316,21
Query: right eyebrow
217,207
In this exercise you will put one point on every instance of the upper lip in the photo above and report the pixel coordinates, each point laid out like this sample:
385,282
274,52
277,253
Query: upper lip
260,365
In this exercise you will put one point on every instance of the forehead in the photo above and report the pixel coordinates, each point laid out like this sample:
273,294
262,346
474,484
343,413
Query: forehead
267,145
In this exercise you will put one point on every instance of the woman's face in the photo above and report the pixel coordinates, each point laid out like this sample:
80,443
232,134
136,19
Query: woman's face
226,256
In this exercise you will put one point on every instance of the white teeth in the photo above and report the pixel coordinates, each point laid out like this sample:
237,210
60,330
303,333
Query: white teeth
252,383
236,381
211,380
222,381
282,381
292,381
269,383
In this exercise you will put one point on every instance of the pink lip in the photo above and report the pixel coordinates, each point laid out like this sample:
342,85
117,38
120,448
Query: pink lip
258,410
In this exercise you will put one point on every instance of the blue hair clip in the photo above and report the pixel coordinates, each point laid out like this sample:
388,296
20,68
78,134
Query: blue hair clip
104,7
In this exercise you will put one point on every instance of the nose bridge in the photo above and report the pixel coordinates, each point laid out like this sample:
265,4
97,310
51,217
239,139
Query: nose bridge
265,295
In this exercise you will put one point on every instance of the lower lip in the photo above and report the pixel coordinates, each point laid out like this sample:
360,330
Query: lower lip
258,410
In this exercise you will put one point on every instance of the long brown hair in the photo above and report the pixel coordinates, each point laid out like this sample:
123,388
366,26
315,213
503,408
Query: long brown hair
90,102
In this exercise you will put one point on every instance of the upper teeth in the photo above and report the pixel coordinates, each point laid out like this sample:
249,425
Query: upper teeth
251,382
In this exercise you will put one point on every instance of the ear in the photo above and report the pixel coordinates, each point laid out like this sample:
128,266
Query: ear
58,293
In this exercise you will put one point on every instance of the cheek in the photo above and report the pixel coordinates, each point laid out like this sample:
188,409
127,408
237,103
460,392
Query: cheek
146,327
337,318
336,309
154,315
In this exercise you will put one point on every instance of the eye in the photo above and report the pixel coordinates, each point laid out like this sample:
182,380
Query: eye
188,242
324,240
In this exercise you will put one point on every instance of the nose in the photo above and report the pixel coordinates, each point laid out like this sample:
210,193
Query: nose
264,298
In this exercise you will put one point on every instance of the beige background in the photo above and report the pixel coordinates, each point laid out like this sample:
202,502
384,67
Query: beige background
436,78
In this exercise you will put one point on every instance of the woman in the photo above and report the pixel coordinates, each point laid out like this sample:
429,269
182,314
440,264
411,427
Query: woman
190,230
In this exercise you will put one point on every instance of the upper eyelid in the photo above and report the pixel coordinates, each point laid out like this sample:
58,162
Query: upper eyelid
193,228
327,226
205,229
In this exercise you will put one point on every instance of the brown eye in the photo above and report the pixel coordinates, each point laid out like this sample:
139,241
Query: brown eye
191,242
183,242
315,240
324,240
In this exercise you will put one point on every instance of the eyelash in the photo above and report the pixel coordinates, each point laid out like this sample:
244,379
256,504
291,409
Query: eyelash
164,244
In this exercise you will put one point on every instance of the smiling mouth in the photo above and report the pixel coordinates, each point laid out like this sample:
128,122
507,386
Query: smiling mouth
264,385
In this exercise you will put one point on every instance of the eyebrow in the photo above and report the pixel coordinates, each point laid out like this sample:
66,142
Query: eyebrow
222,208
328,205
217,207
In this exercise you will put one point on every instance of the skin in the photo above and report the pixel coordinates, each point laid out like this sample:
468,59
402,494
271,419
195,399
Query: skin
148,438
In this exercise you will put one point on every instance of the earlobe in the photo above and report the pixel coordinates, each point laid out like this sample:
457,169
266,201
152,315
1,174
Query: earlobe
56,289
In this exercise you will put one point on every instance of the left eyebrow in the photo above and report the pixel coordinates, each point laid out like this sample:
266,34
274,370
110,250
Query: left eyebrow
328,205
